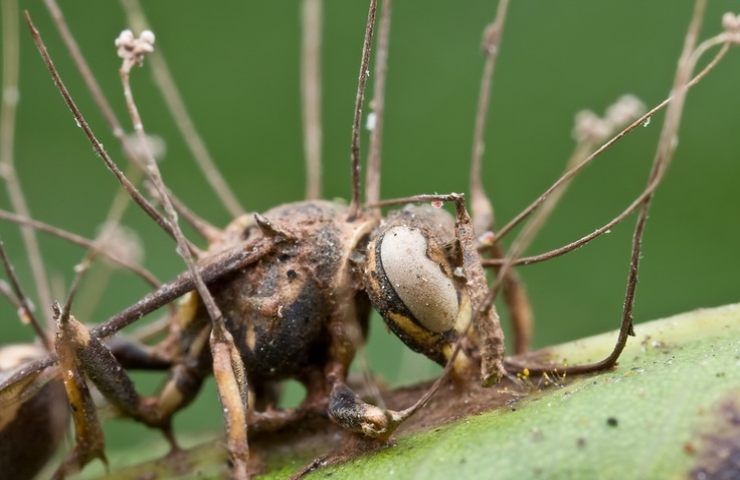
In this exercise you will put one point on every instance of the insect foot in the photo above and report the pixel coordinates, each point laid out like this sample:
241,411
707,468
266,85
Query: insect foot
351,412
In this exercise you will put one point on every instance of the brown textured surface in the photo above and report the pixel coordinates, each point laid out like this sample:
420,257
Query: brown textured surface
317,437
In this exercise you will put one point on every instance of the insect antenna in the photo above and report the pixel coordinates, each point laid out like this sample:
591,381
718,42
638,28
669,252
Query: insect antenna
375,121
8,110
17,297
354,205
173,99
311,12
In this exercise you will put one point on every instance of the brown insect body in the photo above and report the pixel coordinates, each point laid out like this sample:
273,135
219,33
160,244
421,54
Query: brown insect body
35,425
292,291
279,309
326,270
299,312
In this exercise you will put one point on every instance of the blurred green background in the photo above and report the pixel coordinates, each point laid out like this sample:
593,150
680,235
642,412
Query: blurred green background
237,65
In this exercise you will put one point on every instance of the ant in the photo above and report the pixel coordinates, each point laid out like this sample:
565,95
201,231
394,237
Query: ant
287,293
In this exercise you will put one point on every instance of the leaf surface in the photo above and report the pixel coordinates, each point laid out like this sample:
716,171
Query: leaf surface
670,410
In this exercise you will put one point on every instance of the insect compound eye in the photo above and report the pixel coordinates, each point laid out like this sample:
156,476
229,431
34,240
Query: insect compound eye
418,280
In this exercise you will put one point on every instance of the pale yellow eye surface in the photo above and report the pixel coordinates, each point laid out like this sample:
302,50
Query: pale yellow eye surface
418,281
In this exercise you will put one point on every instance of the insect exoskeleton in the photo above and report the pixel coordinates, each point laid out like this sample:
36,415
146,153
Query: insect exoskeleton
279,310
412,280
31,425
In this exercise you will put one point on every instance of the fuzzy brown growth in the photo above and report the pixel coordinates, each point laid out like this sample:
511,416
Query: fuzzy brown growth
279,309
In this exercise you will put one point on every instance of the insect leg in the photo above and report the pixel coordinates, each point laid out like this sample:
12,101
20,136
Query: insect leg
134,355
263,417
222,264
345,407
349,411
98,363
484,317
89,440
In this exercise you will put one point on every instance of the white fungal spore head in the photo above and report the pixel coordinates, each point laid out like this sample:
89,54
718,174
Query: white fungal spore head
731,24
132,49
590,128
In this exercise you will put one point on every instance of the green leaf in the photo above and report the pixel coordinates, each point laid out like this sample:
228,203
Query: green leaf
671,409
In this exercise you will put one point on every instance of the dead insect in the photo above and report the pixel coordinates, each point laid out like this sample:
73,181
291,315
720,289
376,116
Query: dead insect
287,293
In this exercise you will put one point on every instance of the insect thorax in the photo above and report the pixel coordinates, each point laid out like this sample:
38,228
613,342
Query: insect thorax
278,309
